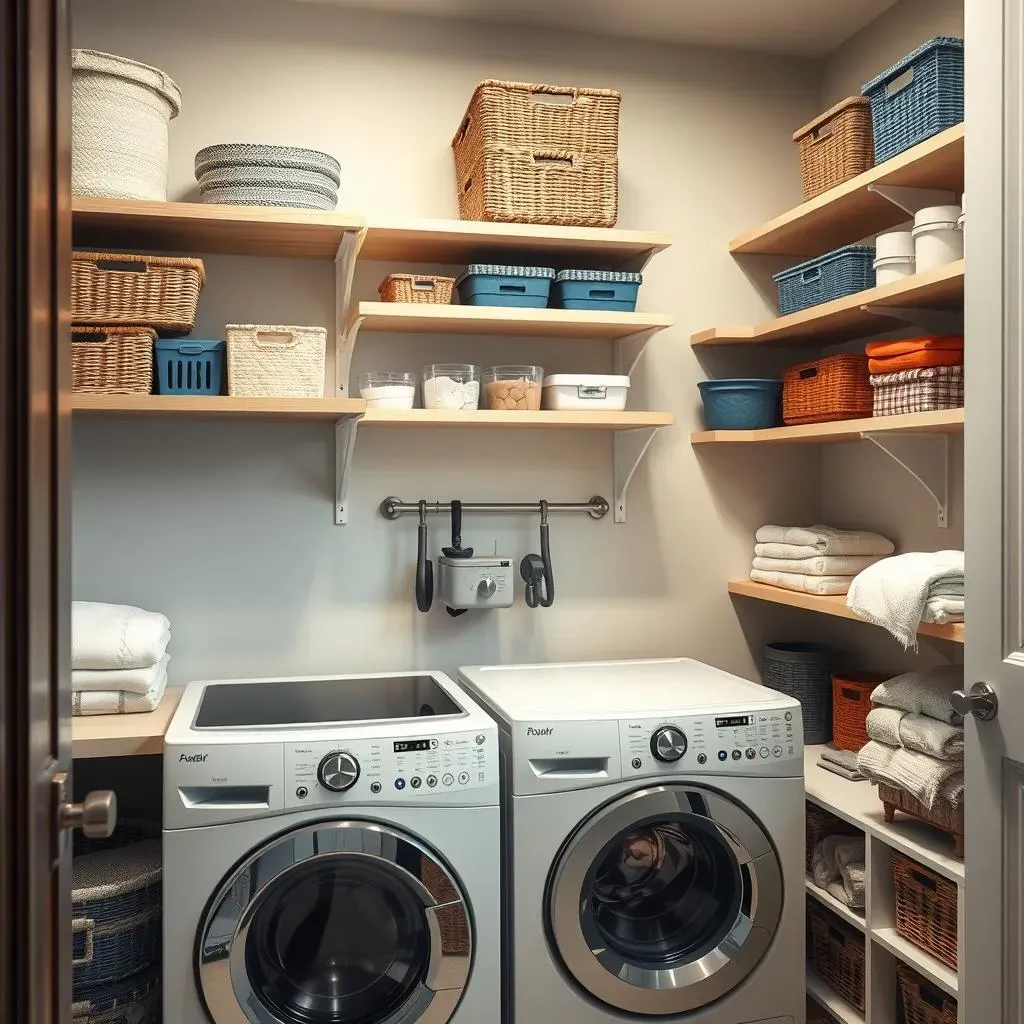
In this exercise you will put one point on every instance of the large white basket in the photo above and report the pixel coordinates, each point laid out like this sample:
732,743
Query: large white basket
120,110
271,361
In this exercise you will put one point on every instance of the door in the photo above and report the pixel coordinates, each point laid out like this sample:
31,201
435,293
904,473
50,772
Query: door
664,900
345,922
994,515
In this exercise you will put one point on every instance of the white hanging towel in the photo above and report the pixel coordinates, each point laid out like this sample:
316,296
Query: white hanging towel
116,636
129,680
822,586
821,565
822,540
118,702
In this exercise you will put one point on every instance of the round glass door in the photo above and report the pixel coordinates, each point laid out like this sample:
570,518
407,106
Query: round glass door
664,900
338,923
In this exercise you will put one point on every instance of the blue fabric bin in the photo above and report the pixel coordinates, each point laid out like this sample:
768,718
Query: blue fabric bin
485,284
835,275
917,98
609,290
741,403
187,366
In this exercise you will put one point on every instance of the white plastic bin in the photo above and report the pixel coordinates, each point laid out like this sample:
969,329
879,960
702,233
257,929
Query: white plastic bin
937,242
894,257
565,392
276,362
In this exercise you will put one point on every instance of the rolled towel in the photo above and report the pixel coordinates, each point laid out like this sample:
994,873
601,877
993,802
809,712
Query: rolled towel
116,636
823,540
821,565
923,693
897,728
128,680
850,861
118,702
923,777
823,862
819,585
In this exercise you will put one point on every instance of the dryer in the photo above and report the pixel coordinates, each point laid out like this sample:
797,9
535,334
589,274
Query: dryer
654,843
331,853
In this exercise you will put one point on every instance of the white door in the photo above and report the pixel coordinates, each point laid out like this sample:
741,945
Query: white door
994,949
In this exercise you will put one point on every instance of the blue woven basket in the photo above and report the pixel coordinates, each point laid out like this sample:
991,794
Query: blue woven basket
488,284
186,366
741,403
917,98
842,272
135,1001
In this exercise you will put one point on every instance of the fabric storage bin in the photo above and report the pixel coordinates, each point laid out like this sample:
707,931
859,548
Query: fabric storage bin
189,366
938,241
740,403
926,908
802,671
586,391
836,146
851,705
927,389
921,1001
133,1001
833,388
835,275
942,815
272,361
837,953
894,257
609,290
486,284
112,360
820,825
120,112
920,96
115,289
416,288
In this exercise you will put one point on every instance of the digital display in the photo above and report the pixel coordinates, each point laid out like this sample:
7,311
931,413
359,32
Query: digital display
731,722
408,746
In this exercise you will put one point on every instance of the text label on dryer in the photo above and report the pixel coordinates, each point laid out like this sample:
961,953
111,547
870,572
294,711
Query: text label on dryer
530,731
192,758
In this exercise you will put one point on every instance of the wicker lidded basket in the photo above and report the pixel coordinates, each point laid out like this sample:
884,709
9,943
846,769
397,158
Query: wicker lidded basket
836,146
273,361
923,1002
833,388
837,953
112,360
416,288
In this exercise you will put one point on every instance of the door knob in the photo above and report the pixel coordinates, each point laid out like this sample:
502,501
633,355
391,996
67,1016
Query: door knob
96,815
981,702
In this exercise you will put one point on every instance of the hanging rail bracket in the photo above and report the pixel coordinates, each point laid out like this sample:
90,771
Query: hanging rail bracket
925,457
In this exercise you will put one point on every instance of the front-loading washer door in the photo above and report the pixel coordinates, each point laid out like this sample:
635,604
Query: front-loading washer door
343,922
664,900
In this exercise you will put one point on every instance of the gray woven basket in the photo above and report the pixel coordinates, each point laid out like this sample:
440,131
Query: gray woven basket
135,1001
803,671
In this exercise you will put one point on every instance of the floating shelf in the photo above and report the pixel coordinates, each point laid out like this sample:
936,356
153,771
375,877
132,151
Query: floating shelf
862,315
511,419
832,1002
947,421
917,958
850,212
837,907
123,735
218,407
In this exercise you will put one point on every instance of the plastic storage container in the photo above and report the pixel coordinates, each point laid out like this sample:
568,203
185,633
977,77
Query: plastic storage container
741,403
485,284
610,290
388,390
894,257
188,366
272,361
835,275
586,392
451,386
937,239
802,671
513,387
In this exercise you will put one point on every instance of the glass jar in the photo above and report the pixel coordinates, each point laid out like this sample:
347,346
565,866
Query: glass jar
388,390
451,386
513,388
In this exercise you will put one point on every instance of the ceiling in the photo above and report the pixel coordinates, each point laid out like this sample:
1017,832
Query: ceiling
788,27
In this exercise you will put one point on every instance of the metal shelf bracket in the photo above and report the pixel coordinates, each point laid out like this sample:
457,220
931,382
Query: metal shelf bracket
910,200
344,447
345,338
630,447
630,349
934,321
925,457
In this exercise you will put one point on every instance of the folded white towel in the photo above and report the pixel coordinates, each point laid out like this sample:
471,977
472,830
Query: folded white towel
893,593
922,693
941,610
820,585
118,702
897,728
824,540
924,777
821,565
115,636
130,680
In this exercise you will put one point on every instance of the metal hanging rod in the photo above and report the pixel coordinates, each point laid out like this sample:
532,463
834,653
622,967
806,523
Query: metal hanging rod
395,508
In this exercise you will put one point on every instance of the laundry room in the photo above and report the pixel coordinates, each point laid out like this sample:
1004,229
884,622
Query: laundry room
515,510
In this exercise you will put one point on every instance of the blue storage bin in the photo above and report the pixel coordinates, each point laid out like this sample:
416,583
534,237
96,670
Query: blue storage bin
835,275
609,290
917,98
187,366
741,403
486,284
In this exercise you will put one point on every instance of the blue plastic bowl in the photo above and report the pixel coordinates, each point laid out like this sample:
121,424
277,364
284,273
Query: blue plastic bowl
741,403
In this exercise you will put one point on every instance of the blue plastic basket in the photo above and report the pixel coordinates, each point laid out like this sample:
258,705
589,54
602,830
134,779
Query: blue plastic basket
841,272
917,98
187,366
741,403
609,290
485,284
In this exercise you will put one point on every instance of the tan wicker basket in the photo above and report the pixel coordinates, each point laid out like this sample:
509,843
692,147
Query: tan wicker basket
275,362
833,388
926,908
923,1002
836,146
416,288
837,953
941,815
820,825
112,360
161,292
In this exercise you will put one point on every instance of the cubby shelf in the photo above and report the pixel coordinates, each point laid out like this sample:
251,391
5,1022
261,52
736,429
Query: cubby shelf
922,962
516,420
218,407
836,906
123,735
834,1003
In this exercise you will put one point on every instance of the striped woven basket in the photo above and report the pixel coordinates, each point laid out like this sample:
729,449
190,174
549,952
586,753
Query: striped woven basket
112,360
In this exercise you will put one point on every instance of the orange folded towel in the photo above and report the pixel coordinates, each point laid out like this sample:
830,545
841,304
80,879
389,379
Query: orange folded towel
916,361
929,343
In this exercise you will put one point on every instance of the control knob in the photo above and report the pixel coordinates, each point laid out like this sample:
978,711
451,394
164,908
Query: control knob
486,587
668,743
338,771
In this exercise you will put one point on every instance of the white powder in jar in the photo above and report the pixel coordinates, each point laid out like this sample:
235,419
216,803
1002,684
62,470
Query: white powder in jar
389,396
448,393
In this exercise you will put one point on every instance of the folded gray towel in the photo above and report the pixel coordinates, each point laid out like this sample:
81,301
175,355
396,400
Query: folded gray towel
923,693
850,774
897,728
924,777
843,758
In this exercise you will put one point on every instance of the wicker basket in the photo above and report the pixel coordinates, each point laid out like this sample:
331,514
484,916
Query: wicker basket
923,1002
851,704
133,1001
273,361
836,146
833,388
416,288
820,825
943,816
926,905
835,275
112,360
161,292
802,671
837,953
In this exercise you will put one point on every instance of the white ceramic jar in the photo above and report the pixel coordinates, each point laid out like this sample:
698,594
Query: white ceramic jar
894,257
937,242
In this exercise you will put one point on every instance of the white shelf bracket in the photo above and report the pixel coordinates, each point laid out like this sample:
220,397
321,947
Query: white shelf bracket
630,447
630,349
344,273
925,457
910,200
344,447
933,321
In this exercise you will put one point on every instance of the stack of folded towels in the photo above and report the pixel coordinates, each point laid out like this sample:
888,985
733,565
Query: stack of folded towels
915,739
118,658
838,868
814,559
915,354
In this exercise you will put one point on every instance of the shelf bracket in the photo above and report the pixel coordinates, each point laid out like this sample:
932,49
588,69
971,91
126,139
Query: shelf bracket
630,447
933,321
630,349
344,273
910,200
344,447
925,457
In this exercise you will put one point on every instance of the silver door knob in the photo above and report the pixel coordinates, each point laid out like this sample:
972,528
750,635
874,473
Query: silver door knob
981,702
96,815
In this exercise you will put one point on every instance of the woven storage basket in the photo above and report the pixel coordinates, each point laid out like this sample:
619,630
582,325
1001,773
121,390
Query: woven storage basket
927,389
926,908
133,1001
416,288
923,1002
837,953
112,360
851,704
114,289
943,816
836,146
835,275
802,671
274,361
833,388
820,825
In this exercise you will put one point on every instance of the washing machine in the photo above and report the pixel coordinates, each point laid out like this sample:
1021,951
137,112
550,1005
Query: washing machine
654,843
331,853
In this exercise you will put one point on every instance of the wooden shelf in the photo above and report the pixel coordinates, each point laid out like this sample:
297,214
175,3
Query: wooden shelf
912,955
837,907
201,407
832,1002
835,606
512,419
849,212
947,421
123,735
849,317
